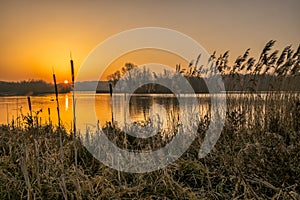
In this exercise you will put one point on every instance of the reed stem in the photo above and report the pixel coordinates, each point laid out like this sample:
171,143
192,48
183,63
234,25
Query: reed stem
74,111
30,110
73,96
57,103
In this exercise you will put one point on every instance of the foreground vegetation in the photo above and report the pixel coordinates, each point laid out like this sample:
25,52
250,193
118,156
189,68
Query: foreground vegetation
256,157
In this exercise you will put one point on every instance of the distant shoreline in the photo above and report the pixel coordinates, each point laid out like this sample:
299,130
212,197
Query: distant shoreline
233,84
34,94
31,88
157,93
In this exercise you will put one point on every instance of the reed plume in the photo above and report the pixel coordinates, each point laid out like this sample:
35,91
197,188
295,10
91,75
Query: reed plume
266,49
240,60
282,56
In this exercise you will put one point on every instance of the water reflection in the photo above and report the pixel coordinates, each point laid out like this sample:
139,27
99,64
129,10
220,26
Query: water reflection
14,108
66,102
141,109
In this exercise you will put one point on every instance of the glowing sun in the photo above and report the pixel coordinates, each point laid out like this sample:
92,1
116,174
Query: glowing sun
66,81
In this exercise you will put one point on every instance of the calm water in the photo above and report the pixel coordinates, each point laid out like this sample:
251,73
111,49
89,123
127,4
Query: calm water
141,107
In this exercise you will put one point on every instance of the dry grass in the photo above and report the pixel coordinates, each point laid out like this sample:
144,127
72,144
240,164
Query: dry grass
253,159
256,157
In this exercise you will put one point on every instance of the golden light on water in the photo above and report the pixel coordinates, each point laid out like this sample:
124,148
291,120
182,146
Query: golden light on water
66,102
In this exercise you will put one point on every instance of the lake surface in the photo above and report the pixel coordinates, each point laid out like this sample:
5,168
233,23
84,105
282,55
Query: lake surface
93,107
140,107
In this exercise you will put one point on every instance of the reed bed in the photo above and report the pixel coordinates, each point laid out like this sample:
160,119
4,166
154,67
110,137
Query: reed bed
256,159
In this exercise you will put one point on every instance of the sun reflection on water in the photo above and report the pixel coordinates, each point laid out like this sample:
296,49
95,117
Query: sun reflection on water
66,102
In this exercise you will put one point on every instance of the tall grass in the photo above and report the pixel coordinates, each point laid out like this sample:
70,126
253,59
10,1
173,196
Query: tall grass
256,157
253,159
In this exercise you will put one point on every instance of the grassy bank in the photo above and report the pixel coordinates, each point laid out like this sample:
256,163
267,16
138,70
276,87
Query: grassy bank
256,159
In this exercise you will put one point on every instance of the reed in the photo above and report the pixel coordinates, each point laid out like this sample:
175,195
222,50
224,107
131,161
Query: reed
49,117
62,182
111,102
7,114
256,157
30,110
56,98
251,160
73,95
78,186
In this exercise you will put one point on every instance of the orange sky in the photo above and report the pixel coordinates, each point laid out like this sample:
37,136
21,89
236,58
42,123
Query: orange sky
38,35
